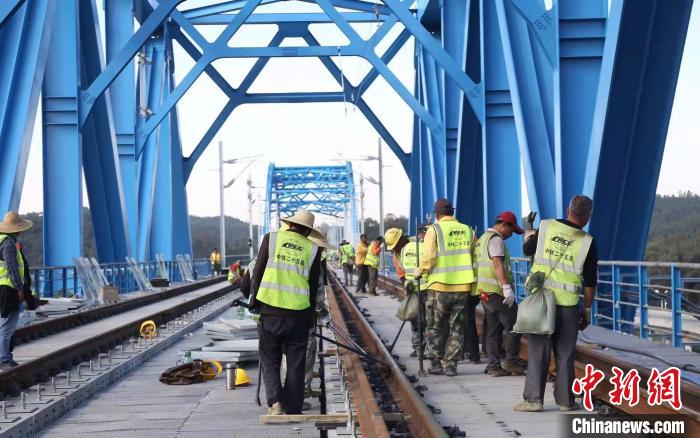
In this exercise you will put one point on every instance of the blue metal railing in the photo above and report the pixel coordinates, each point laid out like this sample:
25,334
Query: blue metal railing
63,281
652,300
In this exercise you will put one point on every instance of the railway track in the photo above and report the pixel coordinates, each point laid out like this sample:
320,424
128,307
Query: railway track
385,401
42,368
54,325
604,361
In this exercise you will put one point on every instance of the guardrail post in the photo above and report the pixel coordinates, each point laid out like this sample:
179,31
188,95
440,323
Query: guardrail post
643,277
676,295
64,280
617,309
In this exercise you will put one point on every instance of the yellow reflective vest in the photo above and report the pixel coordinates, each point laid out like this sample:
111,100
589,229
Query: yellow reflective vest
486,280
371,259
5,279
561,253
454,254
215,257
285,282
409,261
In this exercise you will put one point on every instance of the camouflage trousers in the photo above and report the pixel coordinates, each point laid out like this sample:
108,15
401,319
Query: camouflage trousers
445,320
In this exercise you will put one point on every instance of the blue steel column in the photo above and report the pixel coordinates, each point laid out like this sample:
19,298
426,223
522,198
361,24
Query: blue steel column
454,39
99,145
469,198
530,50
119,27
24,45
62,154
581,40
154,76
501,156
170,225
643,52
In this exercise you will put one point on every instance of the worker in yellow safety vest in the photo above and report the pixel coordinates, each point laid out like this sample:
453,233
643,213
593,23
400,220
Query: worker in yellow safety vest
362,271
347,260
568,257
215,259
447,268
13,287
284,286
405,259
494,287
372,263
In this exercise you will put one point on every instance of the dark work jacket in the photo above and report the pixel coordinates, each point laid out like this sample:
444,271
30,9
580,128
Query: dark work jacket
314,278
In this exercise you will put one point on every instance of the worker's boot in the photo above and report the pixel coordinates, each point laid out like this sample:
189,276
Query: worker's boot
275,409
435,367
498,372
514,367
451,369
528,406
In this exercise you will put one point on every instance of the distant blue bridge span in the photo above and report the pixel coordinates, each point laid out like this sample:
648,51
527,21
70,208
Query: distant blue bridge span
579,96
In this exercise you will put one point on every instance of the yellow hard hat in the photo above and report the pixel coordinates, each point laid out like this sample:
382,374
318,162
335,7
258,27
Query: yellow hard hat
211,369
242,377
391,237
148,329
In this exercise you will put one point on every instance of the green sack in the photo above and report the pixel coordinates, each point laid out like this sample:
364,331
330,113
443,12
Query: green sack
537,312
408,309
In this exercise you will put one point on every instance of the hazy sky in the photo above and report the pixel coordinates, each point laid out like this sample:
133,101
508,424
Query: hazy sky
313,134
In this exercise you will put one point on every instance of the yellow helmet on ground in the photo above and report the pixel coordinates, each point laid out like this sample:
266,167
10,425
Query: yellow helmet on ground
391,237
148,329
242,377
211,369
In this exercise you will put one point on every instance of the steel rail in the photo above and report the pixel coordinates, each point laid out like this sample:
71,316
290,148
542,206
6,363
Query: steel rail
38,370
51,326
690,394
415,412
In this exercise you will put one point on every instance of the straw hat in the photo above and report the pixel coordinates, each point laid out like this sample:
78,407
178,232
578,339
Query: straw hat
302,217
319,239
13,223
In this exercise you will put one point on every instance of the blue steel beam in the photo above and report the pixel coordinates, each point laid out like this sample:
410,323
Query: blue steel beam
453,33
473,91
155,79
357,5
386,58
8,8
99,150
531,78
435,142
125,56
220,8
119,26
24,47
310,17
641,61
501,158
170,227
581,30
62,154
211,52
469,198
189,162
369,54
361,104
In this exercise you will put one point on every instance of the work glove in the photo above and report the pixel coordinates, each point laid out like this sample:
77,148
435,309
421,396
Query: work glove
584,319
531,219
417,273
509,295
